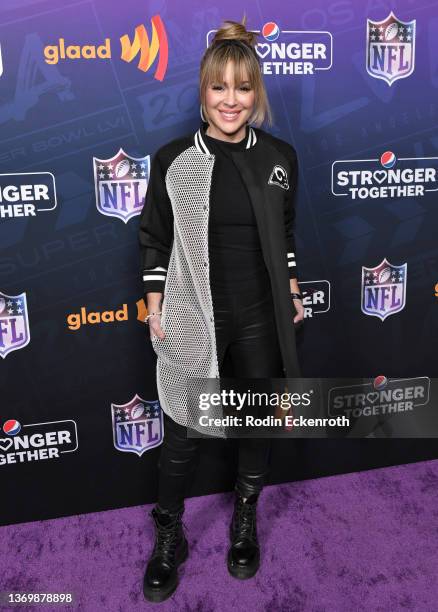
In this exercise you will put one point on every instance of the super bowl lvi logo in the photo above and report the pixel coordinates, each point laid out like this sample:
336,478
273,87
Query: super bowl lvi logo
383,289
121,183
390,48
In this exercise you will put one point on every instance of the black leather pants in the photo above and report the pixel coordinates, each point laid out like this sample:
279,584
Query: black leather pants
247,346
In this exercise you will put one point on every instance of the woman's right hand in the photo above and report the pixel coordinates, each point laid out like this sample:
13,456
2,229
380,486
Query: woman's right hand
155,327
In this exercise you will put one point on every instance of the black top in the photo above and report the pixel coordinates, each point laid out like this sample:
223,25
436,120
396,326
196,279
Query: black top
236,259
235,249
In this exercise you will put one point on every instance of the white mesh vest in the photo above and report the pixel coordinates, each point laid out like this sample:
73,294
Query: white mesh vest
189,347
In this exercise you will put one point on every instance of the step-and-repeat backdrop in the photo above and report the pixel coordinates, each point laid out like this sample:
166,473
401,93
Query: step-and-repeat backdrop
89,90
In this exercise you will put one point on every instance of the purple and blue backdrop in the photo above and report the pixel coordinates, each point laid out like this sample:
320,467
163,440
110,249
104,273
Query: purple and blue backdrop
89,90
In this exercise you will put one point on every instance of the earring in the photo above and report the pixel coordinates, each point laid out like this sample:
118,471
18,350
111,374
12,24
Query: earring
202,114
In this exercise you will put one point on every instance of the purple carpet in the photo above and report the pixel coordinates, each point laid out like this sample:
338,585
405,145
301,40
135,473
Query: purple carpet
365,541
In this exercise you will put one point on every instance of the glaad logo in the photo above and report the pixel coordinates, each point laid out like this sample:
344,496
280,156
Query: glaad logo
26,194
14,323
120,184
390,48
316,297
137,425
292,51
365,178
383,289
382,396
76,320
148,50
37,441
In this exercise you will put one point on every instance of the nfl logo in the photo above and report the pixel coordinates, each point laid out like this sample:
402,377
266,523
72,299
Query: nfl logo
390,48
121,183
383,289
14,323
137,425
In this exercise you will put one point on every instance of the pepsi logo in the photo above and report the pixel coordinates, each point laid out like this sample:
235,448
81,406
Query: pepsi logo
270,31
380,382
385,275
122,168
391,31
12,427
137,411
388,159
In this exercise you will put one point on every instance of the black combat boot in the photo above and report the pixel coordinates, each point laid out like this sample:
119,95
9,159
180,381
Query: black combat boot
244,554
170,550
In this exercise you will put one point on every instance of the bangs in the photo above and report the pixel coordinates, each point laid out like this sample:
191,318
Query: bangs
243,70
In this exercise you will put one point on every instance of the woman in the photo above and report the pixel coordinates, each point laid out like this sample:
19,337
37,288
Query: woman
216,239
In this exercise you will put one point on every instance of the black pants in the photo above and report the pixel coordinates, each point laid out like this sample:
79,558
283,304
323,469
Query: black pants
247,341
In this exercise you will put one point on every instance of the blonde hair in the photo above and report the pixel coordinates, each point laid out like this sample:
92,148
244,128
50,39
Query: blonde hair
243,55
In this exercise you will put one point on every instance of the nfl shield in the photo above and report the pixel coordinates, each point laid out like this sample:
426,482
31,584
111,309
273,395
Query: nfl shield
390,48
383,289
121,183
14,323
137,425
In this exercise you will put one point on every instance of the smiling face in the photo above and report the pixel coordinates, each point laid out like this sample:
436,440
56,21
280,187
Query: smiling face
229,105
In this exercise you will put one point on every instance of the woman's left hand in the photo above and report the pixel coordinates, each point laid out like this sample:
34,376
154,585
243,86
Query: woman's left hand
300,311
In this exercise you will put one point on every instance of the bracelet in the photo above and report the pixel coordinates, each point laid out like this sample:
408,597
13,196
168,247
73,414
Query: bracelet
296,296
150,315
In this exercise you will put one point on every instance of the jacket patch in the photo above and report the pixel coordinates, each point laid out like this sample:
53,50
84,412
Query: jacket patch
279,177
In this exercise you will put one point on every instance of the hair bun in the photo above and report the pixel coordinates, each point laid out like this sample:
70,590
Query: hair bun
233,30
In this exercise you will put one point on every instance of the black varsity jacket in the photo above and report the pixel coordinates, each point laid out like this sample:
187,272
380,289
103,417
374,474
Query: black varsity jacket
156,231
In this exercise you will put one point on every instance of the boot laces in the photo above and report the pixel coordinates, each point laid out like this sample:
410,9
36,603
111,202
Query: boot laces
245,520
167,539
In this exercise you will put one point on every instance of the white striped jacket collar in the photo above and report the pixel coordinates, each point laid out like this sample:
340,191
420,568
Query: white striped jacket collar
201,145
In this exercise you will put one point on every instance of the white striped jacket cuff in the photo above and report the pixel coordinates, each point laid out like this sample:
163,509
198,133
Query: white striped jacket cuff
291,262
154,279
